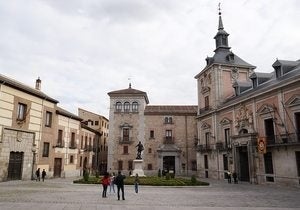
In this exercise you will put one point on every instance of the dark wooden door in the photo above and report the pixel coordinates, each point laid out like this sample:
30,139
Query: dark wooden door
57,167
15,166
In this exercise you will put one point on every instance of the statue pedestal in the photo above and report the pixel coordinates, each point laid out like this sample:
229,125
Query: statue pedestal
138,168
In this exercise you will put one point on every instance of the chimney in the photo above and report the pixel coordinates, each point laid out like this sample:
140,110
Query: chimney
38,84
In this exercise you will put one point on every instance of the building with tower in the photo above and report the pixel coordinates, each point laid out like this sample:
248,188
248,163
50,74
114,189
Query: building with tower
248,122
167,133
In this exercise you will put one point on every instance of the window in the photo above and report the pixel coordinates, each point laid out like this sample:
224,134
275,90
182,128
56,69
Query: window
85,142
59,140
206,102
207,137
125,150
71,159
125,134
194,165
22,108
152,134
120,165
46,149
81,143
149,166
96,122
149,150
72,143
135,107
227,138
168,133
80,164
130,165
118,106
168,120
126,107
48,119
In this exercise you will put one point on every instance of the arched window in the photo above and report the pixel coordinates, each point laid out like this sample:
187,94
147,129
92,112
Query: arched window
135,106
126,107
118,106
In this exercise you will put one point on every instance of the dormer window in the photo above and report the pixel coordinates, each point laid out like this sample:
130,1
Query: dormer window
278,71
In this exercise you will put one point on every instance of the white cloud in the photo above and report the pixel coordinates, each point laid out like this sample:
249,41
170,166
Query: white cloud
84,49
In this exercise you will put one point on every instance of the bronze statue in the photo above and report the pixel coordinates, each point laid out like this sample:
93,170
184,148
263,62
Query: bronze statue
140,148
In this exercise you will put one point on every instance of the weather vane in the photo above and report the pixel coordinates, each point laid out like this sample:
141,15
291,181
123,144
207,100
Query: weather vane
129,79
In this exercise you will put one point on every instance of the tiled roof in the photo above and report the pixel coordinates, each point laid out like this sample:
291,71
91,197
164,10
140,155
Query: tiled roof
65,113
129,91
25,88
172,110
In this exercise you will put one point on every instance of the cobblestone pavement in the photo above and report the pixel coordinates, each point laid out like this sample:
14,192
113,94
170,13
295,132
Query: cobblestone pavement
63,194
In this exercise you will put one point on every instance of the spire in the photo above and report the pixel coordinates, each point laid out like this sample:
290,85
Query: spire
130,85
222,36
221,27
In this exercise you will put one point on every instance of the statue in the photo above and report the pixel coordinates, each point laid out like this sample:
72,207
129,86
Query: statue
140,148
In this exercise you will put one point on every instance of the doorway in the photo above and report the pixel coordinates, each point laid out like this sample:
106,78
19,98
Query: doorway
168,164
244,164
15,166
57,167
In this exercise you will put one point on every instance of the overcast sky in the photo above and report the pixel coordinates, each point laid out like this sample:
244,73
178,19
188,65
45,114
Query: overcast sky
83,49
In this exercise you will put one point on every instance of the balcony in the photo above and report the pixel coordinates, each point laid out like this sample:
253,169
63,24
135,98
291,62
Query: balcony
169,140
125,140
221,146
59,144
286,139
203,148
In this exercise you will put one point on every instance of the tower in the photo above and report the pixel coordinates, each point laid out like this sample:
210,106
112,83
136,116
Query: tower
126,127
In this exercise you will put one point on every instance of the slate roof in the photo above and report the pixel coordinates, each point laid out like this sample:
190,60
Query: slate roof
129,92
25,88
292,76
65,113
171,110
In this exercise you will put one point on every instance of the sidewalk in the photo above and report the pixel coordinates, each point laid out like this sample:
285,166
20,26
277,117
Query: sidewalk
63,194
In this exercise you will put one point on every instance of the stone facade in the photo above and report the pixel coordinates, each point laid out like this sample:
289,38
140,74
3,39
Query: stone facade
248,122
167,133
36,133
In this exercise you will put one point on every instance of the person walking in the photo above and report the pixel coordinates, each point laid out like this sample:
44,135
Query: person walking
38,174
112,183
44,174
234,176
136,183
119,181
105,183
229,177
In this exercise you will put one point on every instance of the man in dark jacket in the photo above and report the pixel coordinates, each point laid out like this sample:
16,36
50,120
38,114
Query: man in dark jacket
119,181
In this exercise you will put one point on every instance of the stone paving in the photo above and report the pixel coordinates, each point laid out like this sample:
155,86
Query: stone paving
63,194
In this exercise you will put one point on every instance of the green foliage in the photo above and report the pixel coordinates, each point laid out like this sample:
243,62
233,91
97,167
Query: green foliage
86,175
193,180
149,181
168,176
159,173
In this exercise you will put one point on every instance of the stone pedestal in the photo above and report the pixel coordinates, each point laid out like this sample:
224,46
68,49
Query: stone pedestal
138,168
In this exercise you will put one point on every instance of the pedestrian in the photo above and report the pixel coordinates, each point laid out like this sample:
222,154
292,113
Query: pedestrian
38,174
136,183
119,181
229,176
44,174
105,183
112,183
234,176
